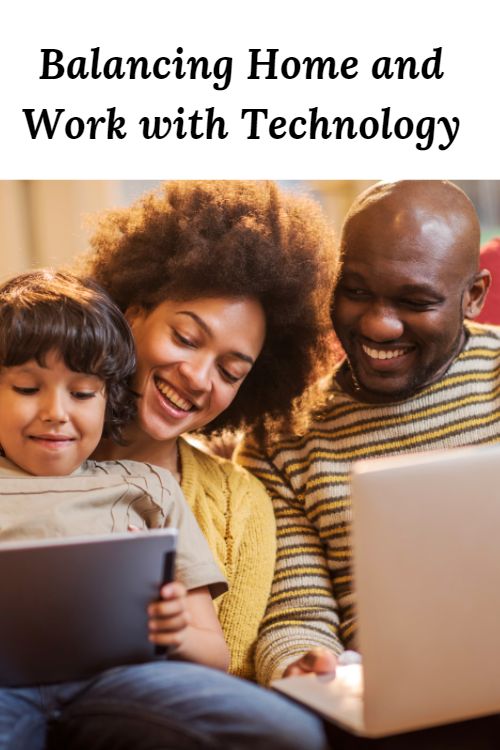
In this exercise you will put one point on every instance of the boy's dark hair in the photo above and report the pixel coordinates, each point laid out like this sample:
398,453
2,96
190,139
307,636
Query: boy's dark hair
44,311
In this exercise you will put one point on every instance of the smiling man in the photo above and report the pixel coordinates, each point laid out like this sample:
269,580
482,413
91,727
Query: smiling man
417,375
410,276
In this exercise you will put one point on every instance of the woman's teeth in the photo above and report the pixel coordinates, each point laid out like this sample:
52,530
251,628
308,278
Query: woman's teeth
173,396
383,353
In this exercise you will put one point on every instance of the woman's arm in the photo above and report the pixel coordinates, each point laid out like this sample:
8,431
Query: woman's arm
251,555
186,622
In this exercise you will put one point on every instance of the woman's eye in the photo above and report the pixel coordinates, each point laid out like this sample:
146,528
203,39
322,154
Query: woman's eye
24,391
183,340
229,376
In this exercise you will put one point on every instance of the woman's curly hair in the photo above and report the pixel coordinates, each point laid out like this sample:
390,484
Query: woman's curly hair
231,239
46,311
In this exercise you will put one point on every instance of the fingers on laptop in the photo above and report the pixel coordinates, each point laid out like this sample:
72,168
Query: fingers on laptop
317,660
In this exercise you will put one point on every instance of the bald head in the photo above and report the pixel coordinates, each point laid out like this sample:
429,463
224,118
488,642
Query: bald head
410,275
433,213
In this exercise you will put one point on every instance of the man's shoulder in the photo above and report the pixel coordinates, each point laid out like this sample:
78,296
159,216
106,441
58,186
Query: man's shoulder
321,425
482,335
480,356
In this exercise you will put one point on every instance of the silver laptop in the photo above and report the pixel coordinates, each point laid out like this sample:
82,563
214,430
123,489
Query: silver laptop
426,545
73,607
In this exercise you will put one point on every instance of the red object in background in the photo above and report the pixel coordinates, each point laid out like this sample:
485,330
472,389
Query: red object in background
490,259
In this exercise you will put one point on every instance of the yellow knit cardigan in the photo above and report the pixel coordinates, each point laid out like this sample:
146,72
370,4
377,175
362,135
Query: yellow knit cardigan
235,514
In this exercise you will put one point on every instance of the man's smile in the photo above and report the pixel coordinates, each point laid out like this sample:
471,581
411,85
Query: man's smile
383,353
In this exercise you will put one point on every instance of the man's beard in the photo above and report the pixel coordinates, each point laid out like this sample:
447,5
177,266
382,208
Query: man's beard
421,378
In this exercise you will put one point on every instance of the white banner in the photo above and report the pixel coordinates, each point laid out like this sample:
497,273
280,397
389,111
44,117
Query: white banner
270,88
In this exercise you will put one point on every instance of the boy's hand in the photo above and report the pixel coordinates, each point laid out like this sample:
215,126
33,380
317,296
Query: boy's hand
169,617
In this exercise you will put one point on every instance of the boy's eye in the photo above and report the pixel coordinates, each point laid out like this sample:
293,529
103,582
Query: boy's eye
83,395
24,391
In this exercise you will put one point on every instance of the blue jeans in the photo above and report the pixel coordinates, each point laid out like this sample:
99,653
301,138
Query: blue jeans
155,706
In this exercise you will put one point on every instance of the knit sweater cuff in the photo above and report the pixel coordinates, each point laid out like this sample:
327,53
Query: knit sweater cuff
274,655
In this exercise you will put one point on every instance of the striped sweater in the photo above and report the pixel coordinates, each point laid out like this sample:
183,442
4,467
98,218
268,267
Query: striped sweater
308,478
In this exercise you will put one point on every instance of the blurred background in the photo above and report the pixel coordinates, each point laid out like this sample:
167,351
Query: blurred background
48,222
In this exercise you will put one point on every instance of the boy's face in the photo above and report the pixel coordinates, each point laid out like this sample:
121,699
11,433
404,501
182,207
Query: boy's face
51,418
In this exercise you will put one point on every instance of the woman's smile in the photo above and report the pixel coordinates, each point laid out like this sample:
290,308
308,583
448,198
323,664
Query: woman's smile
172,395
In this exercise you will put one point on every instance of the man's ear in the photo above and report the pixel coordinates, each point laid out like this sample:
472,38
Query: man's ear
476,293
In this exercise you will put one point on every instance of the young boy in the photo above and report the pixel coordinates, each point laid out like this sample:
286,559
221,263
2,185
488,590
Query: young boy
66,354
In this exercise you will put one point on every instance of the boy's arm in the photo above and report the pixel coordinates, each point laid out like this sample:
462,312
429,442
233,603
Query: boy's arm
186,622
184,617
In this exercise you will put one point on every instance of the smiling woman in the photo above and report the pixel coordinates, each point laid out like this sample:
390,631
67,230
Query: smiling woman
189,376
226,287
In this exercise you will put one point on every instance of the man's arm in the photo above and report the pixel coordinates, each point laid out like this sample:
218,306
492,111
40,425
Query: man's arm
302,614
